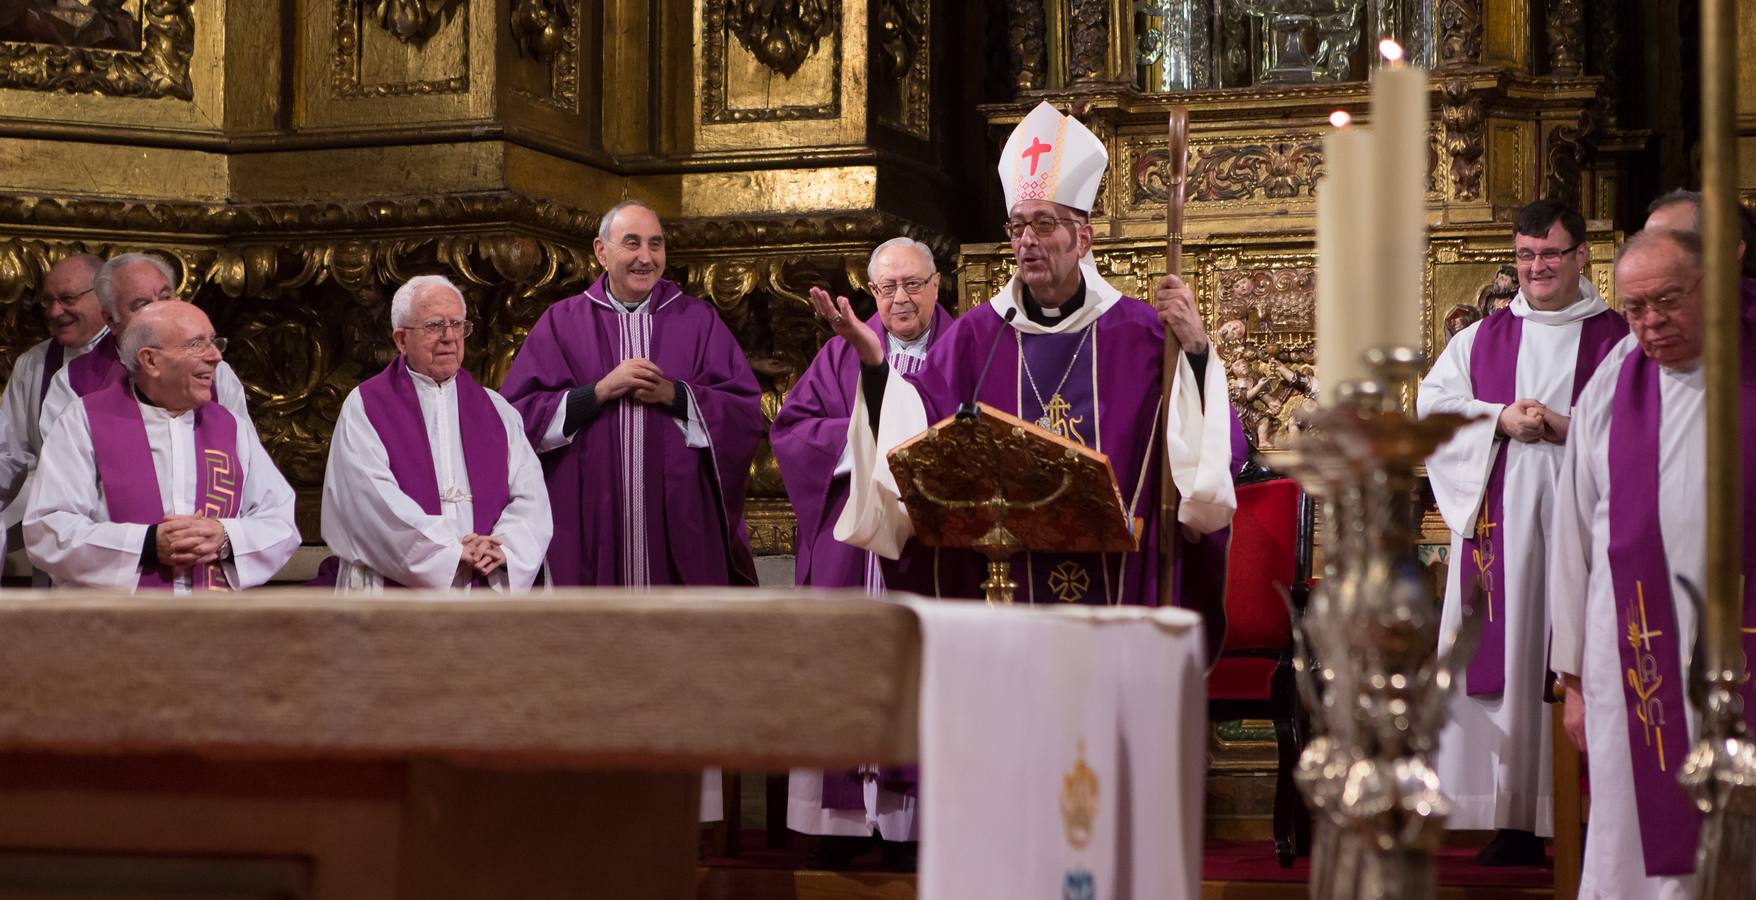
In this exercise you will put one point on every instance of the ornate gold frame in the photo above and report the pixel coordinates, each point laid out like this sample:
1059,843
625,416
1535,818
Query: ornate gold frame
159,69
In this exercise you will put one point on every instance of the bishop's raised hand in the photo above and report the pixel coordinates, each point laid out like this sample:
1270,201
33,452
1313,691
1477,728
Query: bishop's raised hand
847,326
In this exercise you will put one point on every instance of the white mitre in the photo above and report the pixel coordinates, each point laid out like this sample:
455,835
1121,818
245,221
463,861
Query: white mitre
1052,157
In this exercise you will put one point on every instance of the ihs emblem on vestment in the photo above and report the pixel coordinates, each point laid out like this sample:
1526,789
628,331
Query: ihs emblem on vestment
1079,801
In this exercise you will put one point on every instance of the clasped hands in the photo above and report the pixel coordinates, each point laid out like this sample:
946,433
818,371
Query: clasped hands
482,553
640,378
1529,421
184,542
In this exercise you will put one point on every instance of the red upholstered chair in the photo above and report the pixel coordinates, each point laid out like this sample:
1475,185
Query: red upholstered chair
1253,677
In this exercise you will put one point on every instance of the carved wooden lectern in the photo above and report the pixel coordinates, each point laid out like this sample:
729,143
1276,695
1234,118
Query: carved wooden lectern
991,482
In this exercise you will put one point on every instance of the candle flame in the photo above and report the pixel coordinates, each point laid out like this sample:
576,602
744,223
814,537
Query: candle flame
1340,118
1390,49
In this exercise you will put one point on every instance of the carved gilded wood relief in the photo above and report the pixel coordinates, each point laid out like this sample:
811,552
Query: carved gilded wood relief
770,60
139,49
372,58
547,31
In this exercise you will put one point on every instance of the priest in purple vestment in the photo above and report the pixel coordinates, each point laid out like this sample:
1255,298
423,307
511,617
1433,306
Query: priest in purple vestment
431,482
810,440
75,326
1627,526
148,483
124,286
1517,372
646,416
1073,354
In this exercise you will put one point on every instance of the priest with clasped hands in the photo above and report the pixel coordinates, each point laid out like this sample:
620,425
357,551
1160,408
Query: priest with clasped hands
150,483
431,481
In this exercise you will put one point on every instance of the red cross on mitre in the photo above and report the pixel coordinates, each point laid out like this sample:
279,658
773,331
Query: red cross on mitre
1036,149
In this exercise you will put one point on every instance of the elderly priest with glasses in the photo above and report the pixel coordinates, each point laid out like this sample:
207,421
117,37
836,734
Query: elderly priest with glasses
149,483
431,482
1074,355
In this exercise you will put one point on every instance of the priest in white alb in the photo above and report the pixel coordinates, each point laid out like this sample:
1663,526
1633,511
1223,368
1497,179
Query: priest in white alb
126,285
1074,355
148,483
1628,525
431,481
1518,371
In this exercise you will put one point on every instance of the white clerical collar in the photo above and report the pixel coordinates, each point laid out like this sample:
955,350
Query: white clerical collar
1589,304
629,309
152,410
1100,295
916,347
86,347
425,381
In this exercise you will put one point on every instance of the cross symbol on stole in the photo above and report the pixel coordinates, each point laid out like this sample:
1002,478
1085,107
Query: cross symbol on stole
1484,557
1036,149
1645,635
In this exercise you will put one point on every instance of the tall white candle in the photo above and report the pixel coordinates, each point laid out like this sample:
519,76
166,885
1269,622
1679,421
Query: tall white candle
1347,292
1399,119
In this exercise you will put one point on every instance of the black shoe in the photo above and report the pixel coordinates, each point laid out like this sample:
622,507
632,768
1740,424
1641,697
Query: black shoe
831,852
1513,848
898,856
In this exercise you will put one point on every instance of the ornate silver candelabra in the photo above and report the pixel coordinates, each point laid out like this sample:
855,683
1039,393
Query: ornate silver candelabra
1368,666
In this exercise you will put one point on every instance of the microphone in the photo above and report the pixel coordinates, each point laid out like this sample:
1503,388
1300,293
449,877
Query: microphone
968,410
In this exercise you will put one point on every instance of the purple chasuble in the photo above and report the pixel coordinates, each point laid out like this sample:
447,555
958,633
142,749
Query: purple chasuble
1493,374
52,360
394,410
1640,575
633,504
1111,400
99,368
808,436
131,487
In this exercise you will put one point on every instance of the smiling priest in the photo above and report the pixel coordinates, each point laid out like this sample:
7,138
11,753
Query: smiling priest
150,483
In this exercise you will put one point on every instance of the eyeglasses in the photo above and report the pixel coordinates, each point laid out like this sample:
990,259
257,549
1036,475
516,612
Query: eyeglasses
1042,225
1550,256
199,346
913,287
436,328
1666,305
50,300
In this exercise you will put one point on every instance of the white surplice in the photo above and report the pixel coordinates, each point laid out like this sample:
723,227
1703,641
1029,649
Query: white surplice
1198,448
227,389
22,404
67,527
1587,641
380,532
11,472
1495,760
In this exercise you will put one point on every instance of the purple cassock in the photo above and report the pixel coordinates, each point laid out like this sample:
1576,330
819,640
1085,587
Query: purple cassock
1640,576
633,504
809,437
1098,387
131,487
99,368
1493,373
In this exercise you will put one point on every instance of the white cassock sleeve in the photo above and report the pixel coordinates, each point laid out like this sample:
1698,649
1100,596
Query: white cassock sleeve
874,518
1577,493
526,524
20,409
694,428
68,533
1198,447
8,461
367,518
59,396
1458,470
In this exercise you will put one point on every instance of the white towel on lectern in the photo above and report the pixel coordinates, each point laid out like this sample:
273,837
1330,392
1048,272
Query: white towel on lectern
1062,753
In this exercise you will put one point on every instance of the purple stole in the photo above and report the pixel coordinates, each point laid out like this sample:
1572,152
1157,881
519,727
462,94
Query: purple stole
394,410
131,487
52,359
1493,374
1652,659
98,369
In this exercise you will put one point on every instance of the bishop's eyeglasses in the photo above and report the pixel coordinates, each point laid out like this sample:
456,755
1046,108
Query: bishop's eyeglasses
1042,225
